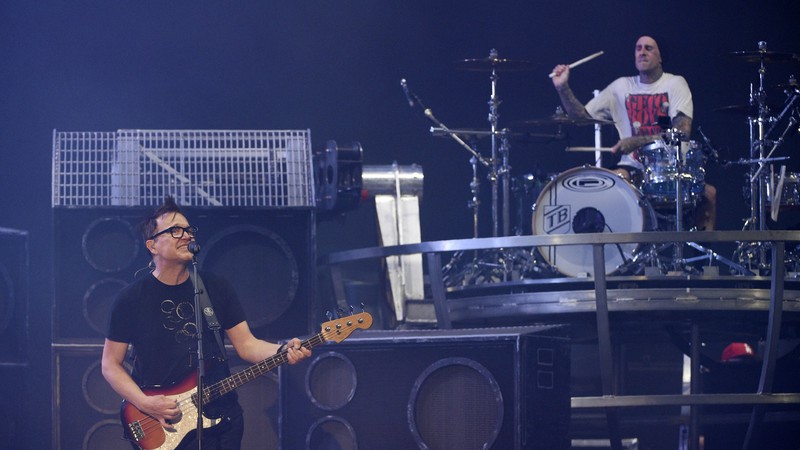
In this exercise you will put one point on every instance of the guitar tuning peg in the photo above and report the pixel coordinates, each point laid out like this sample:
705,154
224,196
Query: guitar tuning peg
329,315
339,312
352,310
363,308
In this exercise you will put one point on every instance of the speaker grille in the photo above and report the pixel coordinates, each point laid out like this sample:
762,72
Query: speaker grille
456,390
324,394
331,433
260,264
110,244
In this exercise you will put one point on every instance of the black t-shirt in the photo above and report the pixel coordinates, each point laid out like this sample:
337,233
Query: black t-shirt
159,321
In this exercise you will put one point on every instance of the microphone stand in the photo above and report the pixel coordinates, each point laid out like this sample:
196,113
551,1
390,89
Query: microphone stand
201,369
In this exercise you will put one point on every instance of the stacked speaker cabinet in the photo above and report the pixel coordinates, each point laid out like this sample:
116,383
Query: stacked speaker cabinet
13,296
437,389
268,255
87,408
14,368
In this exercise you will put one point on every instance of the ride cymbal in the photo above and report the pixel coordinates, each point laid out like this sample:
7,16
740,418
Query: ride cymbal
769,57
559,119
491,63
742,110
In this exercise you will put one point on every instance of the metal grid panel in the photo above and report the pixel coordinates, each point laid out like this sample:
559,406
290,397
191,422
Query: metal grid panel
258,168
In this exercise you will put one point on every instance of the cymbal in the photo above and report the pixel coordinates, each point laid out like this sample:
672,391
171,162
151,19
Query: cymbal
561,119
742,110
788,86
491,63
770,57
478,134
588,149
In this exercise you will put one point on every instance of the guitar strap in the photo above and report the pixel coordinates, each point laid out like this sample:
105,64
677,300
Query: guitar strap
208,312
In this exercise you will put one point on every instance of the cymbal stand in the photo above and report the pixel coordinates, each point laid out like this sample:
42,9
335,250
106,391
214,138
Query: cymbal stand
504,172
675,139
457,271
759,183
476,158
675,142
501,172
475,202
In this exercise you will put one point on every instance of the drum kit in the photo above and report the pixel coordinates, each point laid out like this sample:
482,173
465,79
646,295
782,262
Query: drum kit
593,199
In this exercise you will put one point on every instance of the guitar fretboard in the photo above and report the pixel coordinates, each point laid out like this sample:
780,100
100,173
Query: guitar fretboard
222,387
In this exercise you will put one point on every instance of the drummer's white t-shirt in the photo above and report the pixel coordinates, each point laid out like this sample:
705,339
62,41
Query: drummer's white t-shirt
635,106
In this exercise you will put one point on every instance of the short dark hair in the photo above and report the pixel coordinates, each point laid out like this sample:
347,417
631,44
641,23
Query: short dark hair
148,225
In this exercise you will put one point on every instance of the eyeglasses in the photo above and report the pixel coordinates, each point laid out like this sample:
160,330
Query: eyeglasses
176,232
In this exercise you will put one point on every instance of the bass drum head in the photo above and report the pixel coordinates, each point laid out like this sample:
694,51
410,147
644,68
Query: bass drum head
589,200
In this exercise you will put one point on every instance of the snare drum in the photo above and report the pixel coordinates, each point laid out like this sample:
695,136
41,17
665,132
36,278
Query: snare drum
590,200
661,173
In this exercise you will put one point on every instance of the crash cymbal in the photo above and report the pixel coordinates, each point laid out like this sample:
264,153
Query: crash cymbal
560,119
494,63
769,57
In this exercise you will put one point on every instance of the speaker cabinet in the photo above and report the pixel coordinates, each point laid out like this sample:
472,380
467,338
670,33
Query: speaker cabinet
13,296
15,406
259,399
437,389
268,256
86,409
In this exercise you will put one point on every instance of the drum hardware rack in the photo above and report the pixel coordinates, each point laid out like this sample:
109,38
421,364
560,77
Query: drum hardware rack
760,180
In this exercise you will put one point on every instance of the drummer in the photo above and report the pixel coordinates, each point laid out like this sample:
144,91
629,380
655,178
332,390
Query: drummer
635,105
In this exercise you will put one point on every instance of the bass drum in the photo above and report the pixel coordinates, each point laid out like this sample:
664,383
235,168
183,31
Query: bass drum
591,200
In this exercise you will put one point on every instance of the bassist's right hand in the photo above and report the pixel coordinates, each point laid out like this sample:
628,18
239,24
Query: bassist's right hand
165,409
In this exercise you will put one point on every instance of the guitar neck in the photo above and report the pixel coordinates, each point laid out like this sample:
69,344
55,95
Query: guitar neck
222,387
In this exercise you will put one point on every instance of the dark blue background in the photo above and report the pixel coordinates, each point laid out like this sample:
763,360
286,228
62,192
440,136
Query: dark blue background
334,67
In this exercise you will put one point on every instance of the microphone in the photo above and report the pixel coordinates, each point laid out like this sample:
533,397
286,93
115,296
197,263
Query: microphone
193,247
404,85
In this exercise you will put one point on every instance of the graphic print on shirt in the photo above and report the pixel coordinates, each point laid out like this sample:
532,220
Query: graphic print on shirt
644,110
179,318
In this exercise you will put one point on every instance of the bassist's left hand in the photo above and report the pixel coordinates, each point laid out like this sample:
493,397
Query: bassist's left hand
296,352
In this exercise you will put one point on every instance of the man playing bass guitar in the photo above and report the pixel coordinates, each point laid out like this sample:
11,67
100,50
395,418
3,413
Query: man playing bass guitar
155,315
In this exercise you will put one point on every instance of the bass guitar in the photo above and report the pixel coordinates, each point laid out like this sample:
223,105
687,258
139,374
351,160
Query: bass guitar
148,434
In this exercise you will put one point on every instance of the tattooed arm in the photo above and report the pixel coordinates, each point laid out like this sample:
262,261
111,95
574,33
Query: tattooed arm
572,106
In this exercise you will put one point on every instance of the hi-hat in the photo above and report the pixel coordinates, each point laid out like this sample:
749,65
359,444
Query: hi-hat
561,119
769,57
493,63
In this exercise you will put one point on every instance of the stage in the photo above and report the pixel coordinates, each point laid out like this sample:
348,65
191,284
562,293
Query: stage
692,312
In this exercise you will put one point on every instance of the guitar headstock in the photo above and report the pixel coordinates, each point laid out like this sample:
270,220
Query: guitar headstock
339,329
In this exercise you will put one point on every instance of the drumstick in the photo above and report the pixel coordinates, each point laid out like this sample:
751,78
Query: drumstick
580,61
